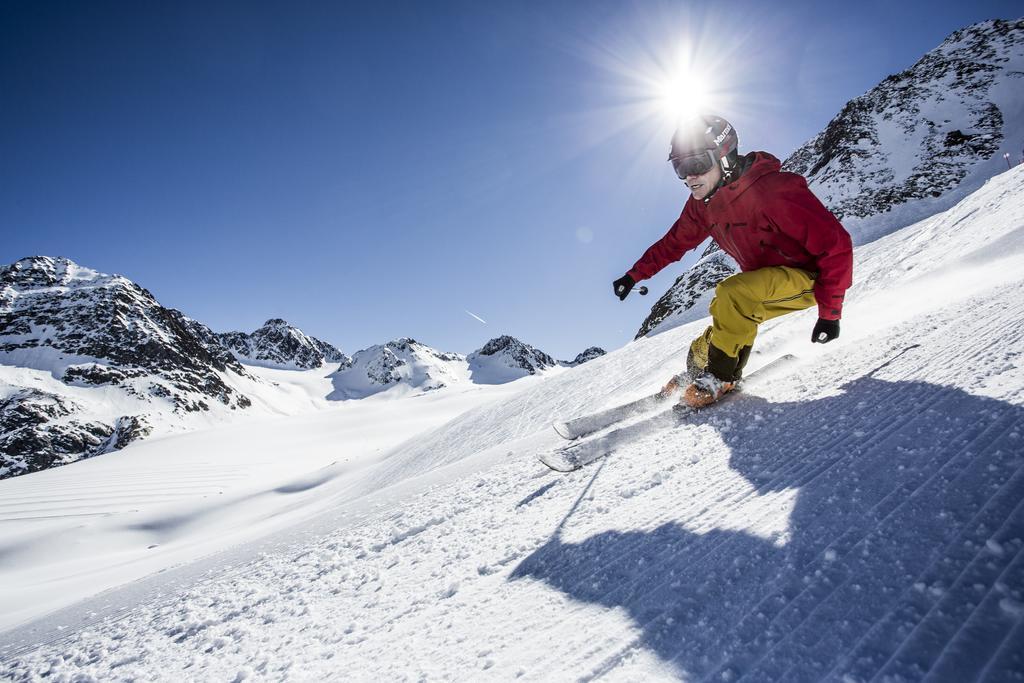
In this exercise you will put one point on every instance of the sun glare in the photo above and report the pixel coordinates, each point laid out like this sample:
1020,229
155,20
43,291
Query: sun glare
681,96
670,63
679,90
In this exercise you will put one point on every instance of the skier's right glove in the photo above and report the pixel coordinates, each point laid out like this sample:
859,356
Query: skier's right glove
622,286
825,331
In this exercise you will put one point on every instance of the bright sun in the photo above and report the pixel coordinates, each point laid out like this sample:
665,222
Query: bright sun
679,90
672,67
682,96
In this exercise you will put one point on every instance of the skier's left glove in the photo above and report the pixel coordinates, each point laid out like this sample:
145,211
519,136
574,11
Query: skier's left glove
825,331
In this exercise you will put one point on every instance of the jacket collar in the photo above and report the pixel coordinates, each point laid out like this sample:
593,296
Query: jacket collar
751,167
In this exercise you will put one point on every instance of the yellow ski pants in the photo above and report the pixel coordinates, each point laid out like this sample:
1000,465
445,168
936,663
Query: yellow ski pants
744,301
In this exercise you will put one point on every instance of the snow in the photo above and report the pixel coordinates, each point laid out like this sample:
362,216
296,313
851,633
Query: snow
172,499
498,369
861,517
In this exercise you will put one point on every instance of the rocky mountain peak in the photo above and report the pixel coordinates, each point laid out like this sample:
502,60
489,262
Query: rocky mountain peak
401,362
54,303
402,343
279,344
40,273
921,134
410,345
37,271
515,354
89,329
587,355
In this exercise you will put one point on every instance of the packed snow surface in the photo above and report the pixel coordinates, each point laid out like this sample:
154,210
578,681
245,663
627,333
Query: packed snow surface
860,517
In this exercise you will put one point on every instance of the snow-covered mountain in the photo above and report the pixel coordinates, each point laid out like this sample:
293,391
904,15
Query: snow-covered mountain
913,145
924,138
858,518
278,344
115,355
585,356
505,358
402,362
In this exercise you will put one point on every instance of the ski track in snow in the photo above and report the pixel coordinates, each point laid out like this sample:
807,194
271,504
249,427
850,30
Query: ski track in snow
860,518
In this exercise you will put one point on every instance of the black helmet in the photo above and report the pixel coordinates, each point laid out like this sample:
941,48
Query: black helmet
701,143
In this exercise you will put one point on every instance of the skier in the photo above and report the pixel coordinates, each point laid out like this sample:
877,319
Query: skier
793,253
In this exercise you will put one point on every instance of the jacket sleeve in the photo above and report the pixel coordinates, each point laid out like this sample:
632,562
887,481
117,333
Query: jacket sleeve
686,233
800,215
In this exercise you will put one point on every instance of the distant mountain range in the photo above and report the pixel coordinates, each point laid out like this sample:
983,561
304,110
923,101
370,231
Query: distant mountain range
915,144
91,362
414,366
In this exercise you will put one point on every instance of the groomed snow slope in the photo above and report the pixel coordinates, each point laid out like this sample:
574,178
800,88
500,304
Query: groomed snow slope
70,532
860,518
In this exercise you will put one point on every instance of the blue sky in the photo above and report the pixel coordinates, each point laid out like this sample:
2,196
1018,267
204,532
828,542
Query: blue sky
369,172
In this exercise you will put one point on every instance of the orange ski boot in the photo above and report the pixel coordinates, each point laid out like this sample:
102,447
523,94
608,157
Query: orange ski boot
705,390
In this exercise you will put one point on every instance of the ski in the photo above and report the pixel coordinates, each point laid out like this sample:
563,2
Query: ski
576,455
595,422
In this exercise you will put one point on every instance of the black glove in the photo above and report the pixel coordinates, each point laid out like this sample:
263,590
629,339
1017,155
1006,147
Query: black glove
825,331
622,287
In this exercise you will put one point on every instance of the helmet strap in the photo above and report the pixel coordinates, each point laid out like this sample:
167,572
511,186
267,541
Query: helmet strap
727,170
732,169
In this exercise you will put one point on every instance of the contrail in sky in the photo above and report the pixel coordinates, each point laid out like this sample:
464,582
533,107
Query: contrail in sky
476,316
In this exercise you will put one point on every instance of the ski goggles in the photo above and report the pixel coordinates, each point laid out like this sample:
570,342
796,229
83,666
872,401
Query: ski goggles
693,164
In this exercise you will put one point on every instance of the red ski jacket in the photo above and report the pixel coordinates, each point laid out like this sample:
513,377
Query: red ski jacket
764,218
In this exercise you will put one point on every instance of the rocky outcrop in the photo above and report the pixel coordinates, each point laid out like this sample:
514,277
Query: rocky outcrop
586,355
38,432
383,367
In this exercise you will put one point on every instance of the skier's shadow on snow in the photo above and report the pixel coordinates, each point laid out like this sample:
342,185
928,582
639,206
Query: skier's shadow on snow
887,473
